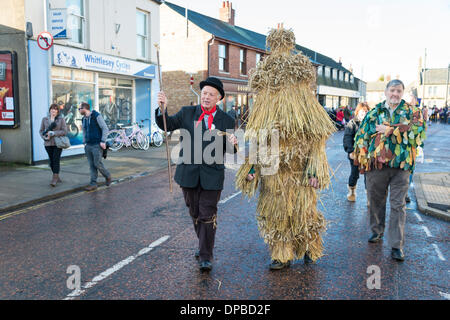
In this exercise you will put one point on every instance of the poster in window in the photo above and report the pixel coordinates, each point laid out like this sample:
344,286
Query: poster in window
8,90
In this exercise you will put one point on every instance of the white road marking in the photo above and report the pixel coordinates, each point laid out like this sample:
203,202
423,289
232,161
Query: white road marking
115,268
418,217
445,295
427,231
230,197
439,253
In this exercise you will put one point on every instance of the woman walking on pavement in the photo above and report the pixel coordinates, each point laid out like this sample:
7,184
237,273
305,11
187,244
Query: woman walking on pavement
349,139
53,125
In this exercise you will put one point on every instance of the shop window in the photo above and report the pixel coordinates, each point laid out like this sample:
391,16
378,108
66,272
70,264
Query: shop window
231,102
69,95
76,20
223,57
142,34
243,61
80,75
115,101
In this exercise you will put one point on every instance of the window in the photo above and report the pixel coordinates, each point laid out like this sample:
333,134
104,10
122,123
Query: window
327,72
223,57
319,70
243,61
435,91
258,58
142,34
76,20
341,76
335,74
70,88
346,77
430,91
352,80
115,101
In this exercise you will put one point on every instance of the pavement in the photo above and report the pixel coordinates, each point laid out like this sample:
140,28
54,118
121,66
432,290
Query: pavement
22,186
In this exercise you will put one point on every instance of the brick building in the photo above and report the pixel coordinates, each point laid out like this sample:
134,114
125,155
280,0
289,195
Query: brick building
201,46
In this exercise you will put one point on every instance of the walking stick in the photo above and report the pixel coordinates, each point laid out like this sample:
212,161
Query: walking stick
164,120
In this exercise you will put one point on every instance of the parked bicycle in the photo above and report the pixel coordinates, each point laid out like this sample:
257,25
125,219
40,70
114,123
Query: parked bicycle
127,136
155,136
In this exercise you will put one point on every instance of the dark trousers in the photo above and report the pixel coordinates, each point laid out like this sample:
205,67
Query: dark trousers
94,155
202,206
354,175
54,157
378,184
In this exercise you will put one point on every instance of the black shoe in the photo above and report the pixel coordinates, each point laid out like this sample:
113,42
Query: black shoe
307,259
397,254
277,265
205,266
197,254
408,199
376,238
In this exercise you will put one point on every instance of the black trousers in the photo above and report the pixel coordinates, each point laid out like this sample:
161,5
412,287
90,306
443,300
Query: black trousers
354,175
54,157
202,206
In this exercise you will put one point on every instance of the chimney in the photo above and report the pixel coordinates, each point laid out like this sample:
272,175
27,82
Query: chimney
388,78
227,13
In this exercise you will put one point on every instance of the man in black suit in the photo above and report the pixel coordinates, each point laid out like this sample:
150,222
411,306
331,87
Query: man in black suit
200,170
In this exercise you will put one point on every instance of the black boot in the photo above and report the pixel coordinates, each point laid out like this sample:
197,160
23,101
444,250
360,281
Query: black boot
307,259
397,254
376,238
278,265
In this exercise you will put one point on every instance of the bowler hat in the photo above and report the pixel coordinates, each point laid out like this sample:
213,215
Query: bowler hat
215,83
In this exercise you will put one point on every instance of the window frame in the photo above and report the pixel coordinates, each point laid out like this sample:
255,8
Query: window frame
243,61
145,36
225,58
258,60
83,20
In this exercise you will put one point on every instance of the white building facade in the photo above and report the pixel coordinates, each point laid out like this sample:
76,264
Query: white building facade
103,54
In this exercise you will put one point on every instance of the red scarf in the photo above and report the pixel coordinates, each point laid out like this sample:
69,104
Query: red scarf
210,118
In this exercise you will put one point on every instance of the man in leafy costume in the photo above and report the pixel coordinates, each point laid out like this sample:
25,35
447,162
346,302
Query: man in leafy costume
385,150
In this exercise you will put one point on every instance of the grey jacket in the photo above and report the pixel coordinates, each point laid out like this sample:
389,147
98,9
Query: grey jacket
60,130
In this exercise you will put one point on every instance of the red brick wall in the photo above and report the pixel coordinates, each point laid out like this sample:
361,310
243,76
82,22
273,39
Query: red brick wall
178,90
233,61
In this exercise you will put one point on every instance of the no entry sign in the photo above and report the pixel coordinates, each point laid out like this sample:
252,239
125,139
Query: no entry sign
45,40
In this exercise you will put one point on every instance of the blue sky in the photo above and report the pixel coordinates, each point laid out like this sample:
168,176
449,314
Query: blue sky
374,37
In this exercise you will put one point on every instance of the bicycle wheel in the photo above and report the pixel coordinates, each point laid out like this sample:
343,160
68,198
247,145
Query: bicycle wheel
135,143
141,140
145,143
158,139
115,140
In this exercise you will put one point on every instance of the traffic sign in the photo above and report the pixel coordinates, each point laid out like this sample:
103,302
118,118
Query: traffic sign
45,40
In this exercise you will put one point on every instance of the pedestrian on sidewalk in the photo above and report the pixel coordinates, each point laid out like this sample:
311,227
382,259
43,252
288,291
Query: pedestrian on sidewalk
53,125
348,141
95,132
201,181
385,150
